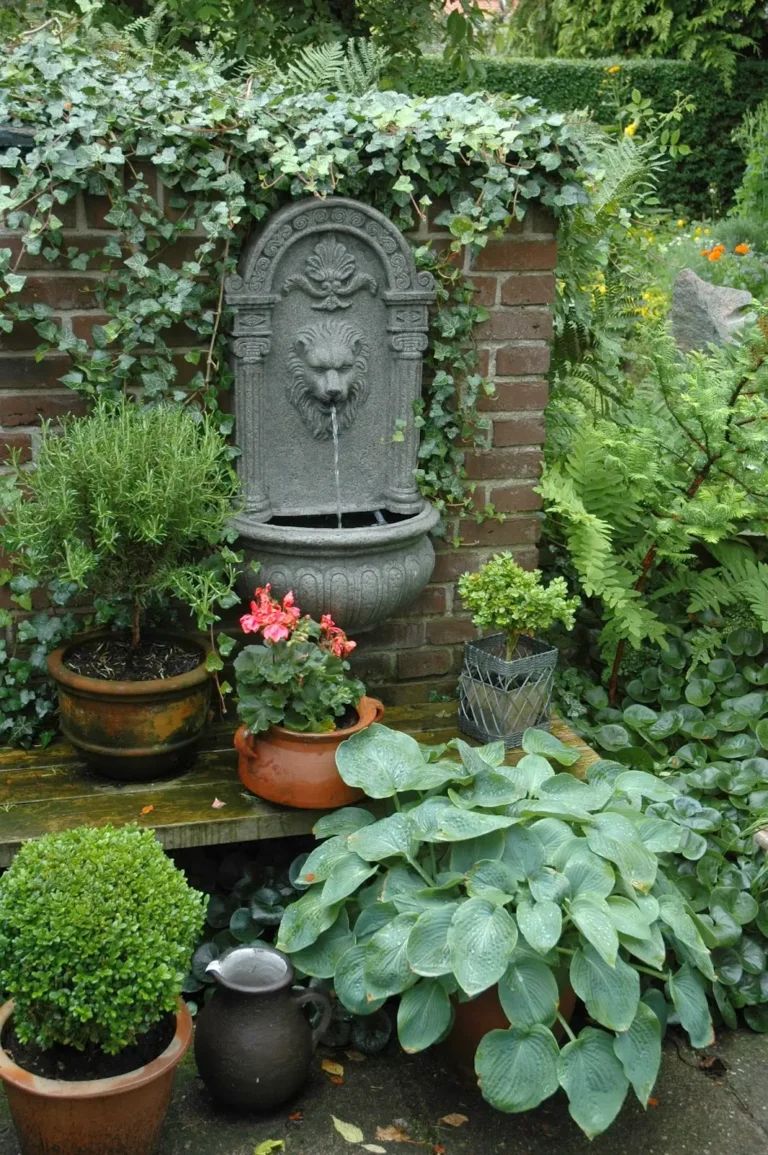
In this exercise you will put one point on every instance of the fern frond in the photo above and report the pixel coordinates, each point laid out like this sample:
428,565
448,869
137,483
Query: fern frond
364,62
316,67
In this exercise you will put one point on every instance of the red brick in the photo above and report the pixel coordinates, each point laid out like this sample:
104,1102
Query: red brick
485,290
20,442
516,499
66,213
504,465
499,534
449,631
529,289
60,291
416,693
522,360
432,600
518,395
516,325
520,431
509,255
83,242
451,565
398,635
26,373
424,663
540,219
483,366
30,408
21,337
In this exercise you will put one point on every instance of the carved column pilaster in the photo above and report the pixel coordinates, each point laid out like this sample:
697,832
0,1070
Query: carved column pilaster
249,352
407,325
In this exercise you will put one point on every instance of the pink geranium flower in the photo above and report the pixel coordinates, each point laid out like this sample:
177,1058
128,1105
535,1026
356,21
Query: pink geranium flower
334,639
274,620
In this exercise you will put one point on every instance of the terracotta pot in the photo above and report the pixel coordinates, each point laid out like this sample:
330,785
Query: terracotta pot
119,1116
473,1021
253,1044
133,731
300,769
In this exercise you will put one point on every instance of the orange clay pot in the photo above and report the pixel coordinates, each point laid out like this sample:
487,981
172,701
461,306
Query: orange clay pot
119,1116
474,1019
299,770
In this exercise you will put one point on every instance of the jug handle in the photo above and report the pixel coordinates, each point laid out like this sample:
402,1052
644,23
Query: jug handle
320,997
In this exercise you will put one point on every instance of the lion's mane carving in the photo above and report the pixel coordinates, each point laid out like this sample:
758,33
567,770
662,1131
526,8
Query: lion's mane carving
329,367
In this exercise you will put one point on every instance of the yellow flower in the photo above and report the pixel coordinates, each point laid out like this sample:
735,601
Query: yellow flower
681,223
614,68
706,232
631,129
697,231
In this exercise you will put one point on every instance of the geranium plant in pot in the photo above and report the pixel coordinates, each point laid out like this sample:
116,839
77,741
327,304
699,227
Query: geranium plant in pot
130,507
96,927
297,703
488,897
506,683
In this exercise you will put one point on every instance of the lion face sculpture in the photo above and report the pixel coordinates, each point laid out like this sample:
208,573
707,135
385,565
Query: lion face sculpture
329,368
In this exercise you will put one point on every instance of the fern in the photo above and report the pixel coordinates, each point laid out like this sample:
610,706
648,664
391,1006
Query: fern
739,578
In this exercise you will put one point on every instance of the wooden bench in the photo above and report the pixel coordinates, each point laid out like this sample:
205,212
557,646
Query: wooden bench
44,790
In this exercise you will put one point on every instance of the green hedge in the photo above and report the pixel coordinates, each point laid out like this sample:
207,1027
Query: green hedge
562,85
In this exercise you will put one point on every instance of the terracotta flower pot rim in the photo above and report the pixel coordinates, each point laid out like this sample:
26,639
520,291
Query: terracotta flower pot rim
101,687
244,738
33,1084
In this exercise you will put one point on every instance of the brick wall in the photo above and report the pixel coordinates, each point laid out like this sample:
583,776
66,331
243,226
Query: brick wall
411,658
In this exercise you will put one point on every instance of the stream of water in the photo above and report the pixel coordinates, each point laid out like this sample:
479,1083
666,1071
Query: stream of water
335,428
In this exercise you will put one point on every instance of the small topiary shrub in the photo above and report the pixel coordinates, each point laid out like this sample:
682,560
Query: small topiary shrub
96,930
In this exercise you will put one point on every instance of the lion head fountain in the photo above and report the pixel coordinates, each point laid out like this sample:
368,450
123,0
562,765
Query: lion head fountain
330,326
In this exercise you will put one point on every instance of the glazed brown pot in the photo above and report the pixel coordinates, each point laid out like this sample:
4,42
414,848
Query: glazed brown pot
299,770
474,1019
133,731
119,1116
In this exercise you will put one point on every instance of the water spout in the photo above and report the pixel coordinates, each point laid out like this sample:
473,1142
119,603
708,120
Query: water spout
335,428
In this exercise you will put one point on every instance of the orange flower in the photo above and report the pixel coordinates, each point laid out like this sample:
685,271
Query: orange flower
705,252
716,253
741,249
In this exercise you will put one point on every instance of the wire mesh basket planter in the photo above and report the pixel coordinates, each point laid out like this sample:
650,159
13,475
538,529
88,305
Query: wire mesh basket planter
500,700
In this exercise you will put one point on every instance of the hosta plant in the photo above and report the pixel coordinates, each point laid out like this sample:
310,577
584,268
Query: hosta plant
486,875
699,717
298,677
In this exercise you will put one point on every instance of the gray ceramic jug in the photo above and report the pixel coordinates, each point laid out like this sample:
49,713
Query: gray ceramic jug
253,1044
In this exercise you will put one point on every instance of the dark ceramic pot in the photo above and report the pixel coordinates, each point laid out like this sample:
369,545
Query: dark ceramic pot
474,1019
298,769
253,1044
119,1116
133,731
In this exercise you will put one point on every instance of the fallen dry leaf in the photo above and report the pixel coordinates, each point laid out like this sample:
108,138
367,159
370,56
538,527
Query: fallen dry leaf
268,1146
653,1102
296,1117
348,1131
393,1135
332,1068
355,1056
337,1080
374,1149
454,1120
147,809
217,804
438,1150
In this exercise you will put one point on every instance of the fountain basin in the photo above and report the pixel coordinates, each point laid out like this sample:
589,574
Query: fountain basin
360,574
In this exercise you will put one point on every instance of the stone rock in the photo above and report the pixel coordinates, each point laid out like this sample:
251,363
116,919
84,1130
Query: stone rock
704,314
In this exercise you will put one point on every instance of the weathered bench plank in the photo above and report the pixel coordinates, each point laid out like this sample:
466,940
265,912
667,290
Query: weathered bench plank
45,790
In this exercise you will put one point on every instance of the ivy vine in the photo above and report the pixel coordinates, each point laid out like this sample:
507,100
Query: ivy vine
108,116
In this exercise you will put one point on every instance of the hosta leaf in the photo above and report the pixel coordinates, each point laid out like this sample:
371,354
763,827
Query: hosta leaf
571,791
627,917
465,854
650,949
347,875
488,789
386,838
614,837
592,916
427,951
639,1051
549,884
423,1016
557,838
540,923
593,1079
383,762
477,759
456,825
491,880
387,971
529,993
530,772
481,939
686,989
345,821
523,851
611,994
305,920
322,860
672,912
638,782
350,985
517,1069
546,744
587,871
321,958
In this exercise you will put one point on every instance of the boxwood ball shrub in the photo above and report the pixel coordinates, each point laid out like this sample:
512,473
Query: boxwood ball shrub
96,930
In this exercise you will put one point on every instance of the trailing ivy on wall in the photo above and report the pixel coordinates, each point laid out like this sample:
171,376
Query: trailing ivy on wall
109,114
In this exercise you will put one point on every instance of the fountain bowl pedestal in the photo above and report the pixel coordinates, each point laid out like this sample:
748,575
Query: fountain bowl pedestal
360,576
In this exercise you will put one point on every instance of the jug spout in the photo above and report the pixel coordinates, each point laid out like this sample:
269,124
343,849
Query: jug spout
214,969
252,970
